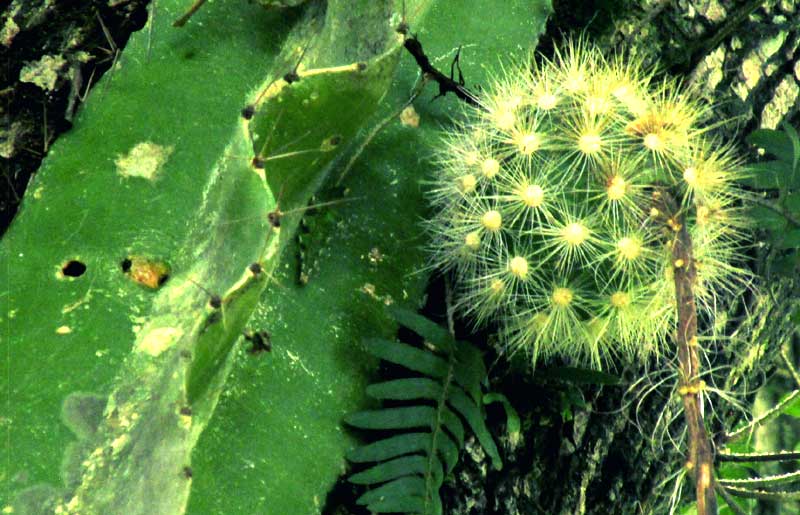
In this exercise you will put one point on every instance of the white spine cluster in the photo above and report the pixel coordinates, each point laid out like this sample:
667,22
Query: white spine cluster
546,213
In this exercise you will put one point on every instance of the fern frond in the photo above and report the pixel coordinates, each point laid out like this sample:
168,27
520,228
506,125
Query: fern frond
441,396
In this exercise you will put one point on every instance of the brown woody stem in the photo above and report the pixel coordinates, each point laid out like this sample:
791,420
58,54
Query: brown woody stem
701,459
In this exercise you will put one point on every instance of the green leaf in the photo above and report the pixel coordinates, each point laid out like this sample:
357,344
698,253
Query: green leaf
407,418
792,203
513,423
402,487
423,388
393,418
791,133
788,265
774,496
406,443
398,467
522,21
261,399
792,408
410,357
404,504
769,175
775,143
298,393
433,333
475,419
762,481
443,392
470,370
323,110
210,222
446,449
782,173
391,447
406,389
768,219
791,239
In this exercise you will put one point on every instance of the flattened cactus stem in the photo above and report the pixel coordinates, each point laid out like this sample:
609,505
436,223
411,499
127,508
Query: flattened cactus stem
166,394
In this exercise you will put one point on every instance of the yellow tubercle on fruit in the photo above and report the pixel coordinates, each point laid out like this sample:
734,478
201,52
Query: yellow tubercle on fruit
590,143
531,195
616,188
492,220
562,297
497,286
719,220
575,233
504,118
518,266
546,101
630,99
622,91
479,135
690,175
467,183
528,143
540,319
620,299
472,240
718,217
574,81
652,141
513,100
629,248
704,214
471,158
490,167
710,172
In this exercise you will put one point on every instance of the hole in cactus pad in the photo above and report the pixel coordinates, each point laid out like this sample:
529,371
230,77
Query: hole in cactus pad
73,268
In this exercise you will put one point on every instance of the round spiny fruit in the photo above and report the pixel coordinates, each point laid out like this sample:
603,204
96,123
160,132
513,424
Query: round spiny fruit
547,207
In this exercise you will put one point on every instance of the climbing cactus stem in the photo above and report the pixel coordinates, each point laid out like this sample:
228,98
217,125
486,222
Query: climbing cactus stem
700,460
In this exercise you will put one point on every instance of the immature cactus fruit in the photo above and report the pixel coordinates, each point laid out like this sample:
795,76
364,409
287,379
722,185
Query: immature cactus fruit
553,207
